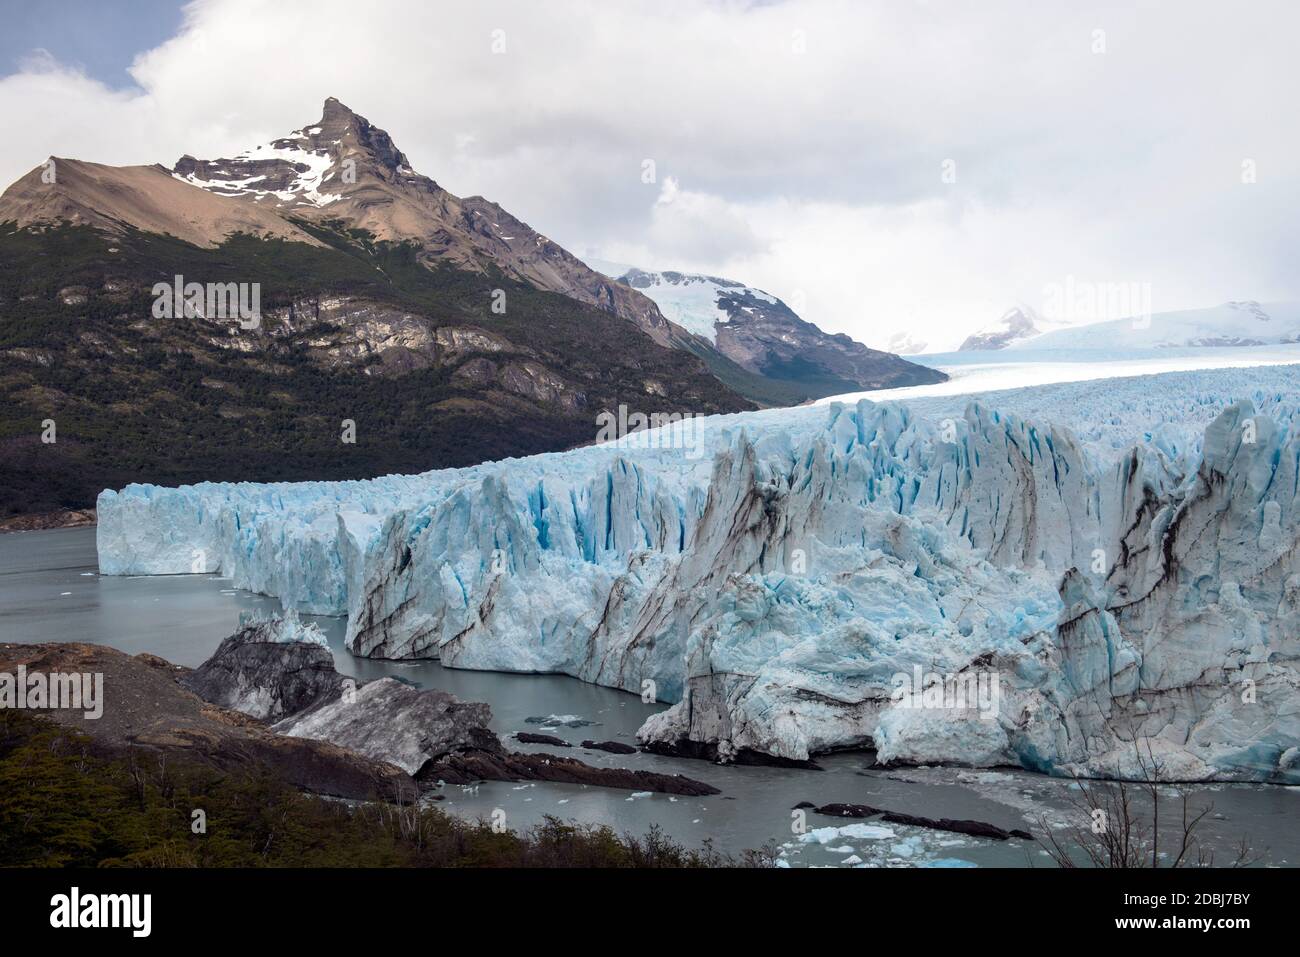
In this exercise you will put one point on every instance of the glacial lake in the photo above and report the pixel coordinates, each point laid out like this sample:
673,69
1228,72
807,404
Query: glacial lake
50,590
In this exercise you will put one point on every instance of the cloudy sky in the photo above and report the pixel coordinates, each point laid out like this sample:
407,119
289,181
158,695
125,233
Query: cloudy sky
888,167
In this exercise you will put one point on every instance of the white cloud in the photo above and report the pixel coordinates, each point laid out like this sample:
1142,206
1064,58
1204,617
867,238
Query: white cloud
814,172
699,227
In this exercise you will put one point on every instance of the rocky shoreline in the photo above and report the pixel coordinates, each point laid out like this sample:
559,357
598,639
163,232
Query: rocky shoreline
947,544
146,710
270,694
39,521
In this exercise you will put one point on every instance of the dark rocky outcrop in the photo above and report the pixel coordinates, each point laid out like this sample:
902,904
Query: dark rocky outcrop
848,810
63,518
708,751
467,767
389,720
973,828
147,710
613,747
258,671
429,734
372,742
527,737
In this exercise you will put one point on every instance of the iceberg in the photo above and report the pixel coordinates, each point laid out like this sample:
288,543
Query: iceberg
1116,560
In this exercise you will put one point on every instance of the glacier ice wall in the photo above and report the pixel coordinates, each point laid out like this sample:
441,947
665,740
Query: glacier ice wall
1121,555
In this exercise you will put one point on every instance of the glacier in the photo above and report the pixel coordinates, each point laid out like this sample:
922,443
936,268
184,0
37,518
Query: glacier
1120,555
1232,325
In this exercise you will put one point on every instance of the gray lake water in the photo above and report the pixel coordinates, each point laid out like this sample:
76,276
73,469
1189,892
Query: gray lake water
50,590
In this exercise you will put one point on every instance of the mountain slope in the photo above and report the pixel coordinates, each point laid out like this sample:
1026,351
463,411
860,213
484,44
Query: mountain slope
351,331
365,271
344,168
343,173
762,335
144,197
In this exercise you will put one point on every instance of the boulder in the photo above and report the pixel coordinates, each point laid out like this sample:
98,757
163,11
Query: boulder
268,670
528,737
147,711
613,747
389,720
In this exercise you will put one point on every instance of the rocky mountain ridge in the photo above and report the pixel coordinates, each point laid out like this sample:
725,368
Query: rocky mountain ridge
763,335
1017,324
344,168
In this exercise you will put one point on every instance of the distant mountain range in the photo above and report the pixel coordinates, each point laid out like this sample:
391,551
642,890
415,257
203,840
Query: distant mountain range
1240,323
764,336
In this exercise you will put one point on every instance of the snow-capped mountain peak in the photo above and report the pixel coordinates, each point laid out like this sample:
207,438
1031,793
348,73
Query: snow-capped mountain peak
342,168
1016,325
312,166
697,303
308,169
763,335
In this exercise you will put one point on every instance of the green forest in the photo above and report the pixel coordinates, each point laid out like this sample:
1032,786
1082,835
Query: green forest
138,399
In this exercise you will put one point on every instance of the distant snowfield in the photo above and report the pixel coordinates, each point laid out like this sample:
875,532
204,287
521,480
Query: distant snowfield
971,373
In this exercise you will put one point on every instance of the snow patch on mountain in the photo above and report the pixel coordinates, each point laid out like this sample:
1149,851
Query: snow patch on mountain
697,303
762,334
312,166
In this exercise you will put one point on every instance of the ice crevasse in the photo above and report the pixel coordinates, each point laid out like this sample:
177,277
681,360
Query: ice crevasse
1118,556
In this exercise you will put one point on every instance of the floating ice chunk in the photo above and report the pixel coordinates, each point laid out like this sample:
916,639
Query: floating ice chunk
861,832
286,628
